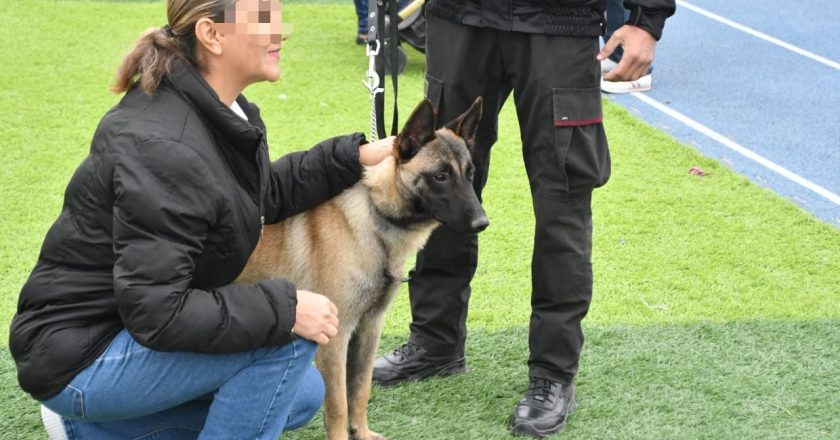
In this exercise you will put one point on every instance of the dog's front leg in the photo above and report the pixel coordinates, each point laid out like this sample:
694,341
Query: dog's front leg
360,358
332,361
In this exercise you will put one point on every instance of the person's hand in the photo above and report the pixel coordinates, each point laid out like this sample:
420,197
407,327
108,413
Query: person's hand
639,48
375,152
316,317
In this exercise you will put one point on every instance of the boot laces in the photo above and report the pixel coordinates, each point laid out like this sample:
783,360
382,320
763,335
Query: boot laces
407,350
539,389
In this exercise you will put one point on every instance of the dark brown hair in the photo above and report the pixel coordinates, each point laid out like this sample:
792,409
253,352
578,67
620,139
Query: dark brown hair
151,57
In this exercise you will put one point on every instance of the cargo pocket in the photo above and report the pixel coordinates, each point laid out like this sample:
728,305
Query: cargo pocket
577,107
576,113
432,90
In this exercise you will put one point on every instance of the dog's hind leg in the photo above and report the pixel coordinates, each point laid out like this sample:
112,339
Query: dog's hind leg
332,362
360,356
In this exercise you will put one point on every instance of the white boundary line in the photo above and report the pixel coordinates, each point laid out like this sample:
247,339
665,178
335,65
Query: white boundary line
732,145
763,36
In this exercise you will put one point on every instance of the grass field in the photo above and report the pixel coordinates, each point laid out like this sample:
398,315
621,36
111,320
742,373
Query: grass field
717,304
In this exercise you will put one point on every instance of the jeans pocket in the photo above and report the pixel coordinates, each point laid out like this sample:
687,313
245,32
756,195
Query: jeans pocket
69,403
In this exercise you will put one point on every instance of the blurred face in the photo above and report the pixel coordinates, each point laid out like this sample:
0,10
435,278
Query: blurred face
252,39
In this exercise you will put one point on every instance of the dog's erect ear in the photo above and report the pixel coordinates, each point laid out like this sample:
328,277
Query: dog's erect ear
419,129
467,124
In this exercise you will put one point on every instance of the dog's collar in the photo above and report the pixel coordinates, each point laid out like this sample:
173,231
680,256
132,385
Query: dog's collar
403,222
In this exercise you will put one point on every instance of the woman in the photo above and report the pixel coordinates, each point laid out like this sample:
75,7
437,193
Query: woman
129,325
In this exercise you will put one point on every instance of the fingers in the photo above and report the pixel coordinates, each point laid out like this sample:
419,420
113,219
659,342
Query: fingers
330,330
321,339
328,326
609,46
330,315
639,48
629,69
387,142
374,152
316,317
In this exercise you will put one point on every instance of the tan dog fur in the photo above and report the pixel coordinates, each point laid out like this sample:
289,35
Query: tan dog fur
344,250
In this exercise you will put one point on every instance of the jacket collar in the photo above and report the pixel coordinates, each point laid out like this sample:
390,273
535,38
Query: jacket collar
186,80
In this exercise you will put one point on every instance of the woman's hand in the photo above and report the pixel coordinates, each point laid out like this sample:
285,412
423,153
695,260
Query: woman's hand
316,317
375,152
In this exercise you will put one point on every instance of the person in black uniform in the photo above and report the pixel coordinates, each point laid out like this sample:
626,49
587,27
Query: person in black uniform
547,53
130,325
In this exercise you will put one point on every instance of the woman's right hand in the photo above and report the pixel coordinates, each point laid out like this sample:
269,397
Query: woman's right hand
316,317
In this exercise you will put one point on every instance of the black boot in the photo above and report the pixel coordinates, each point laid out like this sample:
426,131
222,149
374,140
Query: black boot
544,409
410,362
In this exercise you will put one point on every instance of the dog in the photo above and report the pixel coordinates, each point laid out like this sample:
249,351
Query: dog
353,247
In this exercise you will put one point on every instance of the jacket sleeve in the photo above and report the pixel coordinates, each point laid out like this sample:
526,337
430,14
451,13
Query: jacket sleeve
303,180
650,15
165,202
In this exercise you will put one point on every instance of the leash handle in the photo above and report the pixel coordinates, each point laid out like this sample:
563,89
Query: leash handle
395,44
377,11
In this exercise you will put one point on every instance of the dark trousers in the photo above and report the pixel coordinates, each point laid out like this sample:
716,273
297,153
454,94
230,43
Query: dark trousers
555,83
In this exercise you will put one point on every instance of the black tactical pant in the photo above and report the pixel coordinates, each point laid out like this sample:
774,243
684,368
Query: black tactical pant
556,88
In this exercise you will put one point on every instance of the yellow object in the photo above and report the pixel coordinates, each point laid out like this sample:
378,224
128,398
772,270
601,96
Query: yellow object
411,8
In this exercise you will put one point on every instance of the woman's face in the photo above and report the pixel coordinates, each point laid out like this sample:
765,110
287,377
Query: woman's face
251,44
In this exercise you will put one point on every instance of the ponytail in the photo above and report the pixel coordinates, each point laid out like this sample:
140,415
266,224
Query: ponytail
150,59
148,62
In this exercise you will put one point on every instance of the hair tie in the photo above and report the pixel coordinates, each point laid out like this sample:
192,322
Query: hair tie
168,31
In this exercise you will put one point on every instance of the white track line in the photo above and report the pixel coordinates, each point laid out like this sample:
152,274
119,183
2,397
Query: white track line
758,34
732,145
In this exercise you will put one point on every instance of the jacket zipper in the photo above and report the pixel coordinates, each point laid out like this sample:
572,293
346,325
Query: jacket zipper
260,158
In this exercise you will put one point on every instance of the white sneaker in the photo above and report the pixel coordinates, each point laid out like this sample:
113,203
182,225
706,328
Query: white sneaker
640,85
53,424
607,66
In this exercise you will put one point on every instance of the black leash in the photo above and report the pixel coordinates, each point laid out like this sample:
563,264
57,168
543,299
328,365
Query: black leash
381,45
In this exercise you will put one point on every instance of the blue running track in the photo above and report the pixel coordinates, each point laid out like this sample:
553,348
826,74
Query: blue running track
754,84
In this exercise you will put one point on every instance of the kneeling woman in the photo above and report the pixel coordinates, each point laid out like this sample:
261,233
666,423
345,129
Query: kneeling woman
129,324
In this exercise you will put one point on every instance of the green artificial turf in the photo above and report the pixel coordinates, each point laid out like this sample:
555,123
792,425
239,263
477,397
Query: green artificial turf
716,311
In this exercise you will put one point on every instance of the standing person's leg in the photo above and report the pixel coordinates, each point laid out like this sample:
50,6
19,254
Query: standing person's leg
558,102
132,391
462,63
617,15
362,18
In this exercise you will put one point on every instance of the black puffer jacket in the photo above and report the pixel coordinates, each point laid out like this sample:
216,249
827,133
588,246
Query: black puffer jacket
570,18
157,222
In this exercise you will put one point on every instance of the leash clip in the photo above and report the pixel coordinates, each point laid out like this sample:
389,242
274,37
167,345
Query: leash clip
372,84
372,80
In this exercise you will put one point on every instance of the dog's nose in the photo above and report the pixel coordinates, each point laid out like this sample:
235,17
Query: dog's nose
479,224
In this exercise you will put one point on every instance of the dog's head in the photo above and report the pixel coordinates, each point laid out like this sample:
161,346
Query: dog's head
435,171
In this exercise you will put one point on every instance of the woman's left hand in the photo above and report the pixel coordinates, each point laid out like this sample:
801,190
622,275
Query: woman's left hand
375,152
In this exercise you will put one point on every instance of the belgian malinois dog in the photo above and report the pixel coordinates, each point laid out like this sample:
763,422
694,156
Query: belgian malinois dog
353,249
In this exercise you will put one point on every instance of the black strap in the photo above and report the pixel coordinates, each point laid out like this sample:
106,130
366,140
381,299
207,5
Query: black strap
373,12
380,68
395,43
389,40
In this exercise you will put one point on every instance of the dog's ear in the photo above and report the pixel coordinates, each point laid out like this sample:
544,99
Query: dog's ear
467,124
419,129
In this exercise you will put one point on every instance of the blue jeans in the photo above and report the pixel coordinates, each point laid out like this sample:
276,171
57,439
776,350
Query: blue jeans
617,15
132,392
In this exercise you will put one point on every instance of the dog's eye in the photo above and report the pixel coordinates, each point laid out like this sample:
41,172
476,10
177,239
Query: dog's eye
470,174
441,177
